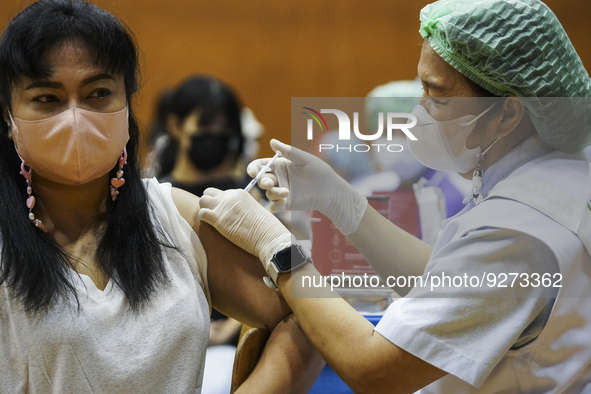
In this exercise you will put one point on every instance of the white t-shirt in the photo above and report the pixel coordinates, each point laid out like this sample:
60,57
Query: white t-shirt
105,348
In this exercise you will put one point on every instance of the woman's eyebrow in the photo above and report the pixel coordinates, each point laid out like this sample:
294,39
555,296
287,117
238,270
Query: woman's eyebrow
95,78
59,85
45,84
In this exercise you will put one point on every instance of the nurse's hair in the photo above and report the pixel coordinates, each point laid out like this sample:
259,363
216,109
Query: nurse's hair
33,266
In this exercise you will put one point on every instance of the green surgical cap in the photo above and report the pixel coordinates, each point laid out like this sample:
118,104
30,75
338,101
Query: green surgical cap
402,96
516,47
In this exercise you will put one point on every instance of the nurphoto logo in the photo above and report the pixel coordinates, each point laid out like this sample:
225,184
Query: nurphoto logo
394,121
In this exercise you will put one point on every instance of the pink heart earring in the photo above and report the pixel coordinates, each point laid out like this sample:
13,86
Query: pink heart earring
30,199
116,183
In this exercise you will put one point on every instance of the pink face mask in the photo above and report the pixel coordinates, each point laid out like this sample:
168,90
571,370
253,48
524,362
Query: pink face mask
73,147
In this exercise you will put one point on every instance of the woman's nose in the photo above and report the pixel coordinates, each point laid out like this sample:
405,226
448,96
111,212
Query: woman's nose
73,102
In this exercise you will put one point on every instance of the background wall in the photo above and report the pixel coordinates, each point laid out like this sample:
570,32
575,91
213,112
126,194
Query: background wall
273,50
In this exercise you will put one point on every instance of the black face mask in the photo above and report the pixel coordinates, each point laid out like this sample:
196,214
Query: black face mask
208,151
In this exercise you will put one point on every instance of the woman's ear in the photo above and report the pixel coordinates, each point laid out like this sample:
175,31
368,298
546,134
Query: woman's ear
173,126
6,119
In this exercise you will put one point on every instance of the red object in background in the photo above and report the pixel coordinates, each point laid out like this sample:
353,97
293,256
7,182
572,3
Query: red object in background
332,252
404,210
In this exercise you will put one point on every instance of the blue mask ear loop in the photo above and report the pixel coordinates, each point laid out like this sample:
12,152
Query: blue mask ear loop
477,174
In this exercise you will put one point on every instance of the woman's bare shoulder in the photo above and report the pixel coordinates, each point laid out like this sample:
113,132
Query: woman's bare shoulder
187,205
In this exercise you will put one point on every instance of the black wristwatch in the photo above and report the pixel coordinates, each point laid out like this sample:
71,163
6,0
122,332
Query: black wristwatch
286,260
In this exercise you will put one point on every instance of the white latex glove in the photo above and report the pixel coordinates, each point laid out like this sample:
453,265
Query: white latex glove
245,222
300,181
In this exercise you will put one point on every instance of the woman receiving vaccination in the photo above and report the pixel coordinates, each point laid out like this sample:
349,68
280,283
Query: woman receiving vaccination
107,280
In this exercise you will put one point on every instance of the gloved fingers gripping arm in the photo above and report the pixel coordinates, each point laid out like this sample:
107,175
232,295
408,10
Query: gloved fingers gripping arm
317,187
245,222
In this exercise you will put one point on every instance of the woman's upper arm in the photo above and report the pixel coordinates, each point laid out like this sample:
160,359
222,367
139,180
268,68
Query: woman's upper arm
234,276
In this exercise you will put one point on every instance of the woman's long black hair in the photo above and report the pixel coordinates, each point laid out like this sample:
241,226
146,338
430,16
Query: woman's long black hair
33,266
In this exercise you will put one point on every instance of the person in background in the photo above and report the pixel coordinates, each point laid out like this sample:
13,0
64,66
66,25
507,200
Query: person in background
204,136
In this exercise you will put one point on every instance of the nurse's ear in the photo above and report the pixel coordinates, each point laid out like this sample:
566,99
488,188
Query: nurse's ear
502,120
510,116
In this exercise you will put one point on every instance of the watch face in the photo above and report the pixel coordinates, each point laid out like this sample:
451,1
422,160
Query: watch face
289,258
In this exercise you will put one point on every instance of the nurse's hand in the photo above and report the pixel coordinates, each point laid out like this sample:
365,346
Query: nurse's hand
300,181
245,222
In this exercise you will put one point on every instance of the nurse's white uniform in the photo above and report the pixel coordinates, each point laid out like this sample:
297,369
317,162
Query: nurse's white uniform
509,340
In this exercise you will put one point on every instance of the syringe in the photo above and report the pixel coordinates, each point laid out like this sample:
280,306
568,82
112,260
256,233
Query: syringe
262,172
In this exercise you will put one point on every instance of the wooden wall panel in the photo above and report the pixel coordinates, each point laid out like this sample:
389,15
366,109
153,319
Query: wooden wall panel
271,51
